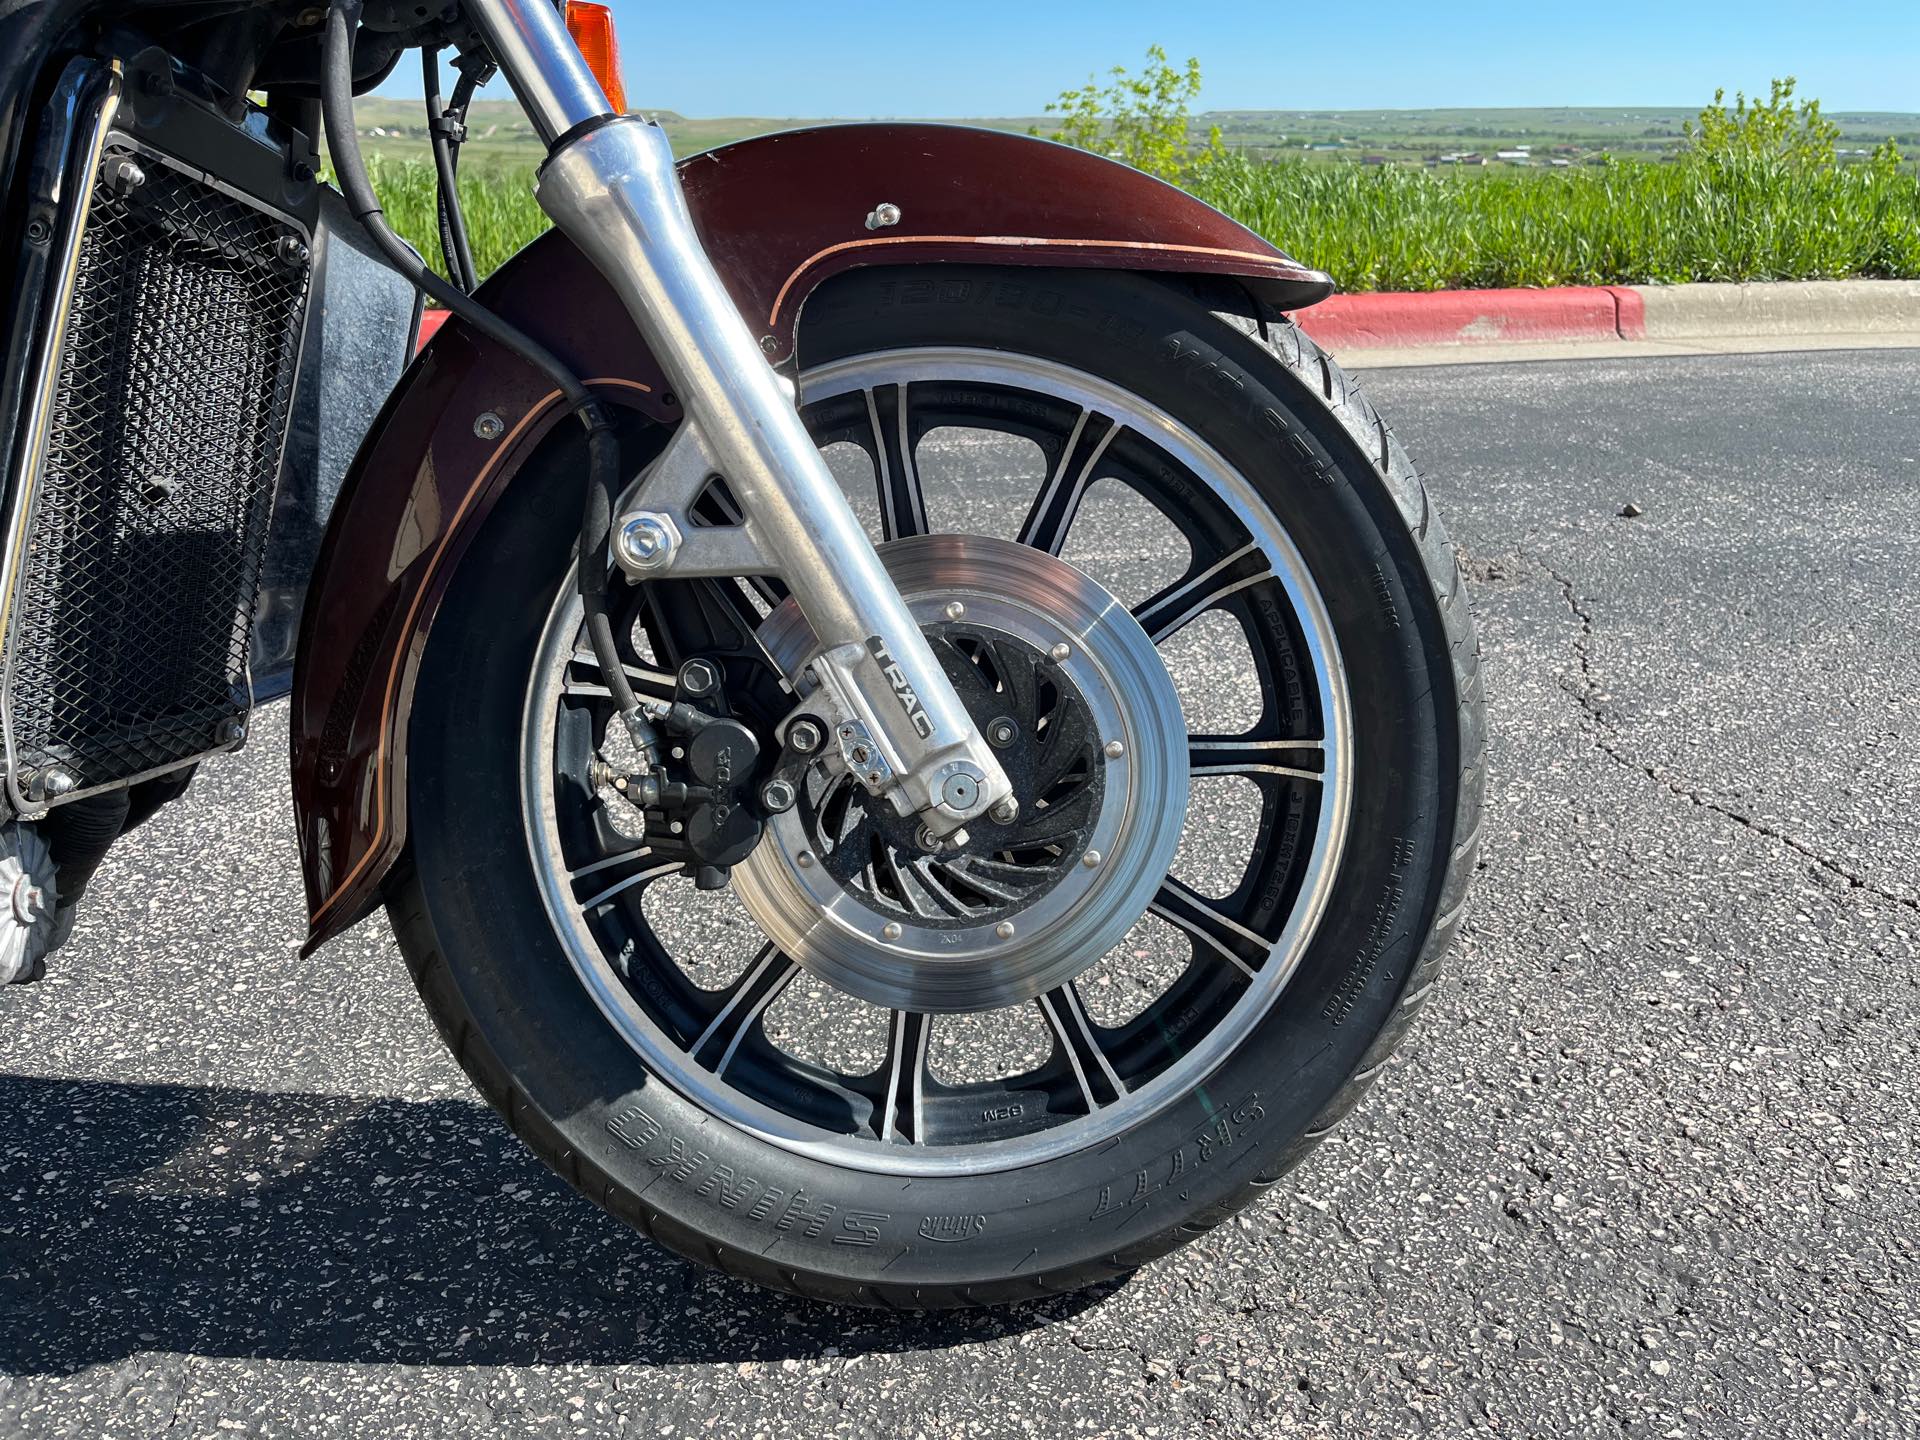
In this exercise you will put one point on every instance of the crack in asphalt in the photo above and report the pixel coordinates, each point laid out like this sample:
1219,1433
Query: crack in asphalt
1586,696
179,1395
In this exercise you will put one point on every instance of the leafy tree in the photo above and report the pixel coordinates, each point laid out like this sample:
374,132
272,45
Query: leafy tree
1145,119
1774,129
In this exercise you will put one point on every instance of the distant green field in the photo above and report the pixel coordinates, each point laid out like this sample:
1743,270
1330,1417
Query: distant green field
1383,226
501,133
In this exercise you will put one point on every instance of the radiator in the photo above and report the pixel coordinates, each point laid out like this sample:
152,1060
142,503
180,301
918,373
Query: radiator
136,542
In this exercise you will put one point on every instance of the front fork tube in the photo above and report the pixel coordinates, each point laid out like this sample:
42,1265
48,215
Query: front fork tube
612,188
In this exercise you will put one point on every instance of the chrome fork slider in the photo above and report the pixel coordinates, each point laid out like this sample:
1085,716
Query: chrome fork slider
614,191
612,188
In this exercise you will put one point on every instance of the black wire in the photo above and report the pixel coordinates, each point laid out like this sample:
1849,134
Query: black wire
446,158
463,89
603,456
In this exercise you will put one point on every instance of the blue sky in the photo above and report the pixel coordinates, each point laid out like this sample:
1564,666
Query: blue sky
992,57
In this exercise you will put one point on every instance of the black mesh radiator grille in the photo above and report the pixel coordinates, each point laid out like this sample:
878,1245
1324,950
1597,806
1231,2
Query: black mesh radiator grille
139,561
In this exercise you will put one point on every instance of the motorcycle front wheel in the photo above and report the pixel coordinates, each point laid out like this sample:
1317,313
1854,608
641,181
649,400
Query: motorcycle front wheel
1187,581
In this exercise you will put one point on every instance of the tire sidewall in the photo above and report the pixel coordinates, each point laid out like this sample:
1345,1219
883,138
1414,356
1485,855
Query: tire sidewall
1179,1167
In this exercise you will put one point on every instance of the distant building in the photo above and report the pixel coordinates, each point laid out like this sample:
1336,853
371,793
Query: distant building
1521,156
1373,159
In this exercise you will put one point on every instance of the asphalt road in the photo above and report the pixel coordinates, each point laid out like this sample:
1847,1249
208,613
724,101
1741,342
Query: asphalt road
1649,1169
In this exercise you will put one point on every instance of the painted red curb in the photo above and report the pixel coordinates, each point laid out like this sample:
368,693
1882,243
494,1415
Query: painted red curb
1476,317
1437,317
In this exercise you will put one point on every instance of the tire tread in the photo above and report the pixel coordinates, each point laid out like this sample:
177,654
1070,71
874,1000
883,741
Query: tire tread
1321,381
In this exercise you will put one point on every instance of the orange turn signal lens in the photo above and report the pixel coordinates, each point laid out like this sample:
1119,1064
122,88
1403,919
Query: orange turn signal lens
592,29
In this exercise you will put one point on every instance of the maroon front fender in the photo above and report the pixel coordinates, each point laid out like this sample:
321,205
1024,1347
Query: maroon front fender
779,215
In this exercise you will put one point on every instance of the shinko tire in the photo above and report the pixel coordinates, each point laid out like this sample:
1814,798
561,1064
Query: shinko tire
636,1138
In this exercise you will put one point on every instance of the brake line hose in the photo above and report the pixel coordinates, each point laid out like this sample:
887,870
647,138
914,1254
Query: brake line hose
441,118
603,453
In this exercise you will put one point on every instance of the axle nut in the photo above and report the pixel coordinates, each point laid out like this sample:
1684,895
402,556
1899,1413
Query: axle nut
961,792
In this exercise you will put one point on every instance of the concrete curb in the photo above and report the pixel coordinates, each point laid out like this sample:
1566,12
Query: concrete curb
1614,313
1786,307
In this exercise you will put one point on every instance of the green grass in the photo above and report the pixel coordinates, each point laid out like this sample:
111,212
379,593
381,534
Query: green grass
1409,228
1628,222
501,213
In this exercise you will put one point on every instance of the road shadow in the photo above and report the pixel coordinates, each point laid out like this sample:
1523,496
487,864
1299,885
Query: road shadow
227,1222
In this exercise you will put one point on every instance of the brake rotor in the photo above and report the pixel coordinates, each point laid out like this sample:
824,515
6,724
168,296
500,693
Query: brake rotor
1083,716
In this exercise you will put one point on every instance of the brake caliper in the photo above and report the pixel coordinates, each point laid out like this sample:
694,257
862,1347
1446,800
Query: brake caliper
702,792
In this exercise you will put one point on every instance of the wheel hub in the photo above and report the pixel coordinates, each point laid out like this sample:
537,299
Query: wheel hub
1073,696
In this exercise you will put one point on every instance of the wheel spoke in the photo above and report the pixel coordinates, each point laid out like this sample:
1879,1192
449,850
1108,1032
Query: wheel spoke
901,1118
1244,949
1249,755
623,857
770,973
654,867
1046,525
1075,1036
1177,606
903,506
652,682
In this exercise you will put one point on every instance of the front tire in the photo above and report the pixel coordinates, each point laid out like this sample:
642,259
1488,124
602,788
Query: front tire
824,1222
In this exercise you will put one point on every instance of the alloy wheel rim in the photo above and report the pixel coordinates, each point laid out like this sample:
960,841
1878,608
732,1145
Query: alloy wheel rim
1250,965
